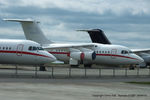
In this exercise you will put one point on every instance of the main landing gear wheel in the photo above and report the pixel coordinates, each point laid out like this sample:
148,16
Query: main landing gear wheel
42,68
131,67
74,66
87,65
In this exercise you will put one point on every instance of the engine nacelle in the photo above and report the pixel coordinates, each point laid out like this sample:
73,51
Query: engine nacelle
83,55
89,55
146,59
76,55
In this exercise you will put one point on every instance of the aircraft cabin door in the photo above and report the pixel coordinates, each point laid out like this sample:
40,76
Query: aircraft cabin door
113,53
19,49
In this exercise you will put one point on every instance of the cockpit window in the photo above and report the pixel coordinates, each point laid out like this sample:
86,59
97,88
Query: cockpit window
40,48
124,52
130,51
33,48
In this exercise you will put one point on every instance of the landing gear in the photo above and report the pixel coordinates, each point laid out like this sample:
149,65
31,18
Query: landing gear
87,65
131,67
74,66
42,68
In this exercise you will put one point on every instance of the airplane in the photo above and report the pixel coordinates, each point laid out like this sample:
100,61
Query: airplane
98,36
82,53
24,52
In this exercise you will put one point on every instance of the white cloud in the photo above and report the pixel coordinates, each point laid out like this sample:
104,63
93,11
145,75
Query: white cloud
11,33
118,7
125,19
61,33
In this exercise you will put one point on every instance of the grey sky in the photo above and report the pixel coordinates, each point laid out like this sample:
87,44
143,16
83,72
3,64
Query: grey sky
125,22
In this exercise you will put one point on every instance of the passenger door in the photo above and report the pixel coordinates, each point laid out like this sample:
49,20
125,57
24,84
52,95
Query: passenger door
113,53
19,49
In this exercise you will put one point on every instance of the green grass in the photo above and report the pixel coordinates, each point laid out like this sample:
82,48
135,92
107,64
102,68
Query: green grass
144,83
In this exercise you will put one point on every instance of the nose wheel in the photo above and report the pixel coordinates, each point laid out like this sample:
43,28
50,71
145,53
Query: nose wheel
42,68
131,67
87,65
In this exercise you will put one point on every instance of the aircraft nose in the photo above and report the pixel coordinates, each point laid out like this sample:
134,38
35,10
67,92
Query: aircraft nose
52,58
139,59
48,58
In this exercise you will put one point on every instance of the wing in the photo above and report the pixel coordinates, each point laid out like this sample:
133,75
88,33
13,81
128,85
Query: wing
141,50
69,46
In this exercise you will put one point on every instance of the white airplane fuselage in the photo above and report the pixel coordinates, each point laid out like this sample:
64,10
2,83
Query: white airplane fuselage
87,53
104,54
18,52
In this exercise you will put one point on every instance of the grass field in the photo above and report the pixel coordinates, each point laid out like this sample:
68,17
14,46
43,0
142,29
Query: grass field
142,83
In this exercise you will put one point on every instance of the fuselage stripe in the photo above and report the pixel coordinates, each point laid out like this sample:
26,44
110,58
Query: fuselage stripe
96,54
24,52
115,56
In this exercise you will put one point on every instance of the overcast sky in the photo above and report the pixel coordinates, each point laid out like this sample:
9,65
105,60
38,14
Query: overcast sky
125,22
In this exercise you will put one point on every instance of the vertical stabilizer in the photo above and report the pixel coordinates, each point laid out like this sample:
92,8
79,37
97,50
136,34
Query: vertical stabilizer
97,36
32,30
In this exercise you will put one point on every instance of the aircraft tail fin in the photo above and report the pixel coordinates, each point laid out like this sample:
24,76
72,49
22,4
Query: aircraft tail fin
97,36
32,30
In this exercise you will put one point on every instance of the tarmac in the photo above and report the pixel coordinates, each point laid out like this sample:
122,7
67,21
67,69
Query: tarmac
26,86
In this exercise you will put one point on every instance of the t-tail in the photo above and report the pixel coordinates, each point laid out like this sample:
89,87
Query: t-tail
32,30
97,36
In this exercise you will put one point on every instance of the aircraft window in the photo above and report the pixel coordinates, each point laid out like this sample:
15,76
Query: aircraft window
130,51
40,48
99,51
108,52
30,48
34,48
9,48
105,51
124,52
102,51
3,48
95,45
6,48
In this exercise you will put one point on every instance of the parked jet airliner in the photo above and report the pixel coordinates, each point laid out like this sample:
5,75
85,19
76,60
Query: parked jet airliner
98,36
23,52
82,53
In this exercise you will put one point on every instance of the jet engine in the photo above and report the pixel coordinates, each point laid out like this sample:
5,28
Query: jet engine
77,55
83,55
146,59
89,55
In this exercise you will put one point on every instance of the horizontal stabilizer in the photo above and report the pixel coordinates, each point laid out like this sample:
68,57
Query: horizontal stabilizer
21,20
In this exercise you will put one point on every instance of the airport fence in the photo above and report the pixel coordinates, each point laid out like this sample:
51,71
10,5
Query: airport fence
68,72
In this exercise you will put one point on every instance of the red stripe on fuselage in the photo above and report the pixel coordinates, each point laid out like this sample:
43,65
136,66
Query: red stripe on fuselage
96,54
23,52
116,56
67,53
